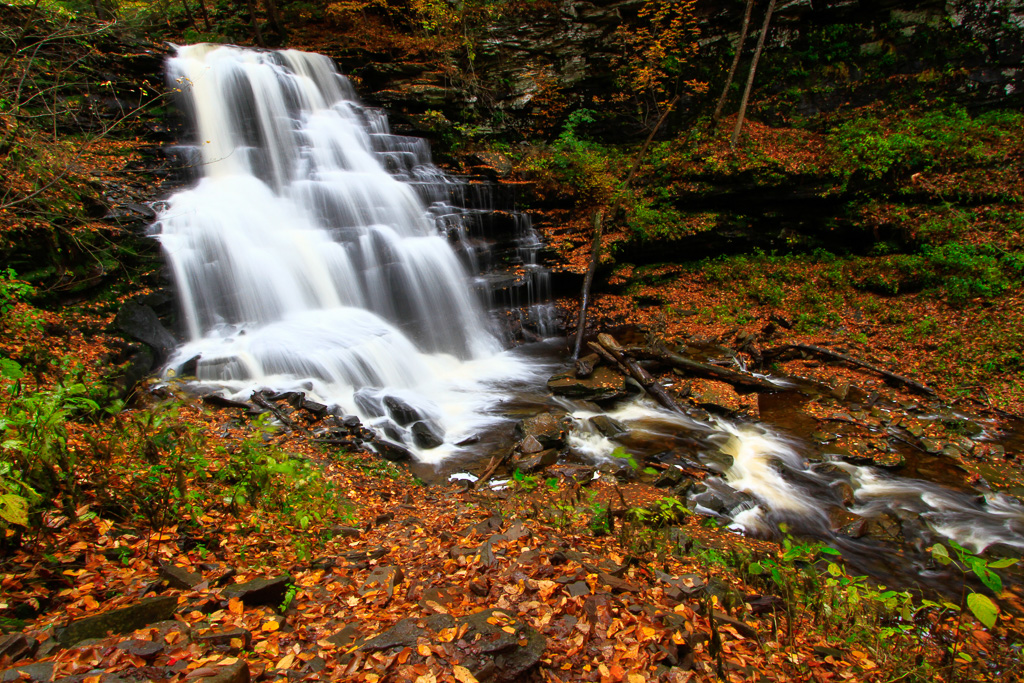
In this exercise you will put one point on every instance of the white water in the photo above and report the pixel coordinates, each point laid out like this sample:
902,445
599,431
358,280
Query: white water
785,487
303,264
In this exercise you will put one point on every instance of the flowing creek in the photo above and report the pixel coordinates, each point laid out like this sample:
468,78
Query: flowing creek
318,252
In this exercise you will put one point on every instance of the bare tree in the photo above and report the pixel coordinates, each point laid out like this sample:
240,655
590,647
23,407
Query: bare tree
251,6
750,76
735,62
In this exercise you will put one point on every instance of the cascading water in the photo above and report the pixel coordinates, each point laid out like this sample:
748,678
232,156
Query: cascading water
320,253
304,262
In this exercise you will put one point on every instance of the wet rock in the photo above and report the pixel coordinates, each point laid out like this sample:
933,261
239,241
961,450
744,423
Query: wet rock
530,445
259,591
140,323
885,527
403,634
548,429
122,620
608,427
400,411
537,461
390,451
493,637
368,404
318,410
603,385
715,497
585,365
17,646
382,579
179,577
930,446
232,640
41,671
424,436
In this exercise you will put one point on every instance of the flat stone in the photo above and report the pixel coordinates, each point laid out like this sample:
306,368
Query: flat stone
122,620
232,640
259,591
238,672
141,648
536,462
17,646
179,577
40,671
603,385
578,589
403,634
382,578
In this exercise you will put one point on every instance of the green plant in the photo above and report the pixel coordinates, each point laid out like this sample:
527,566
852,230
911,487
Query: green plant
289,596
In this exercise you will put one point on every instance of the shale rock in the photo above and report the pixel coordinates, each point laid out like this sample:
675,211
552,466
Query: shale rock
602,385
548,429
259,591
122,620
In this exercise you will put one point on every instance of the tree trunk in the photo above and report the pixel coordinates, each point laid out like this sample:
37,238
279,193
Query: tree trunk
251,6
275,19
595,249
750,76
735,62
103,10
188,14
205,15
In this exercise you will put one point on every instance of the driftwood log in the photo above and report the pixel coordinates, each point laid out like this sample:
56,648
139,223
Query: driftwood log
607,346
778,351
733,377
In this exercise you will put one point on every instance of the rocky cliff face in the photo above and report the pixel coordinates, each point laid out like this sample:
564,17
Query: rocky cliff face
530,68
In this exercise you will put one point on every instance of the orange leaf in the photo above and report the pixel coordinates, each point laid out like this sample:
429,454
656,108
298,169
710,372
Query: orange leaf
270,626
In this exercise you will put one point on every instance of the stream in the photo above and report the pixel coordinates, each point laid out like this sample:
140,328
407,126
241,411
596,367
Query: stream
318,252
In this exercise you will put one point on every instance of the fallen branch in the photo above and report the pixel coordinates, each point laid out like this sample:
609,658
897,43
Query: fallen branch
650,385
733,377
262,402
835,355
492,467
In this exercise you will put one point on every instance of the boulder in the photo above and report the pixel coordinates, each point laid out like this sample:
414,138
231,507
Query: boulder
40,671
400,411
424,435
501,648
140,323
403,634
391,451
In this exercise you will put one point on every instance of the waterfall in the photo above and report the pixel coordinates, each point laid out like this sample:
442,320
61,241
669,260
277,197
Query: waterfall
308,256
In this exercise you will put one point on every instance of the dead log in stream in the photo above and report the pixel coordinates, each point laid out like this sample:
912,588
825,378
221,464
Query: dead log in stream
607,346
733,377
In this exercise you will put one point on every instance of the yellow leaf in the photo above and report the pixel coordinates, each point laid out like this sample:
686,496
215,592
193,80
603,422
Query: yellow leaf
270,626
286,662
463,675
508,629
424,650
